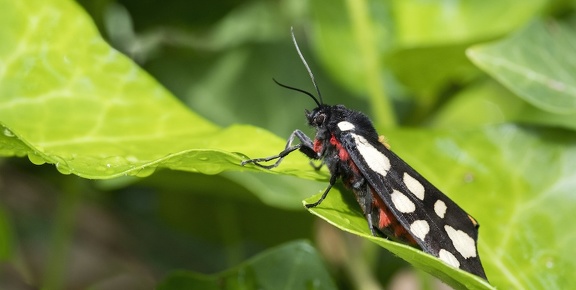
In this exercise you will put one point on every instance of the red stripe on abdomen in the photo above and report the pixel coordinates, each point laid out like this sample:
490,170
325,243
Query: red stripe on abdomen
388,223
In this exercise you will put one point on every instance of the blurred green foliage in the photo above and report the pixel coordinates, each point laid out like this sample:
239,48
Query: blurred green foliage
479,96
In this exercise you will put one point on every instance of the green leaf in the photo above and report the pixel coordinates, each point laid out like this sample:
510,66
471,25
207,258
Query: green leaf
488,102
536,63
495,175
295,265
282,191
427,70
69,99
431,38
427,23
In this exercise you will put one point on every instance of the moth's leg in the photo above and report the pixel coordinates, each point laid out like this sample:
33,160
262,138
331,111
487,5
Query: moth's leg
333,179
316,167
363,193
306,146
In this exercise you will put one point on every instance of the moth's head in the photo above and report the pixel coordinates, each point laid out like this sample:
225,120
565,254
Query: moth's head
319,116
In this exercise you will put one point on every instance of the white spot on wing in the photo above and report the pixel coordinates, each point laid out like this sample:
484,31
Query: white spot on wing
414,186
420,229
377,161
402,202
345,126
448,258
440,208
463,243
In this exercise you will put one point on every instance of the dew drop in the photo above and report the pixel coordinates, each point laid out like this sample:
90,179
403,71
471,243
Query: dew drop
8,133
143,172
63,168
35,158
61,165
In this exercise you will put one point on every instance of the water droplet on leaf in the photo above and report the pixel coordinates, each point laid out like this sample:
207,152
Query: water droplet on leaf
61,165
143,172
8,133
36,158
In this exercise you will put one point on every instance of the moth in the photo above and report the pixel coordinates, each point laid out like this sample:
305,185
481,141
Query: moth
398,202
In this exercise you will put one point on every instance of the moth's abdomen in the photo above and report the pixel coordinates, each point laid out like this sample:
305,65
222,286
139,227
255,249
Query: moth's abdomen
387,224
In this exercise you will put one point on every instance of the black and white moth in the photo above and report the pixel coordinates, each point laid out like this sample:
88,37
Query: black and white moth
397,201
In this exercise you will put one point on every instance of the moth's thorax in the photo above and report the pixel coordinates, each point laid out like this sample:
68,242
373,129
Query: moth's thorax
337,119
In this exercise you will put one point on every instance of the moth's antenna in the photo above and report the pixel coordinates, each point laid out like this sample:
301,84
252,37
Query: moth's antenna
307,68
298,90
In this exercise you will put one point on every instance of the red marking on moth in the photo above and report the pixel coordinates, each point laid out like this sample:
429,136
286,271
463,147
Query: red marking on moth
353,166
386,219
342,153
317,146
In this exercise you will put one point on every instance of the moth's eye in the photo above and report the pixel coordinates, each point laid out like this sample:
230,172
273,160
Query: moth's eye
319,120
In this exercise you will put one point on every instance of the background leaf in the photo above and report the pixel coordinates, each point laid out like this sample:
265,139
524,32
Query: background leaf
488,102
432,23
536,63
296,265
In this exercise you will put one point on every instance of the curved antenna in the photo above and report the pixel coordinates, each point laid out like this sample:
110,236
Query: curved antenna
298,90
307,68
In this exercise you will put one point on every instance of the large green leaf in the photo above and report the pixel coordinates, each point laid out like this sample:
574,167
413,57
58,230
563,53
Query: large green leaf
537,63
69,99
516,181
296,265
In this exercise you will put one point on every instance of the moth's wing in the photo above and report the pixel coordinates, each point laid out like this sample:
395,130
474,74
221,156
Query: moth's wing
436,223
